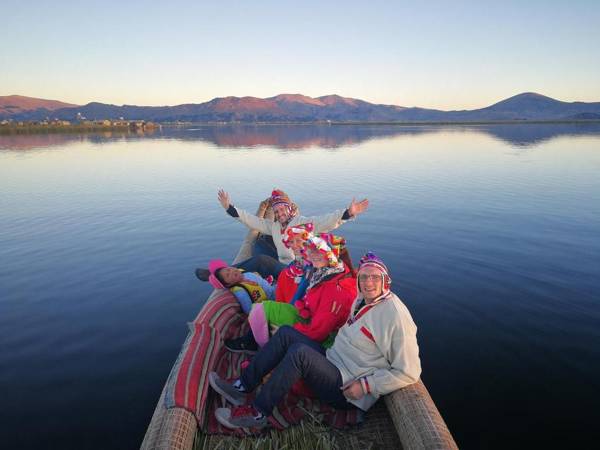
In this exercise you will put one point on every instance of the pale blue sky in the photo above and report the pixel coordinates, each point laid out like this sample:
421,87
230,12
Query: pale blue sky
447,55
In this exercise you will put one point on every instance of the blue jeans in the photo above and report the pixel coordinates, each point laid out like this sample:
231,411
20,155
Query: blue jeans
263,264
292,356
264,246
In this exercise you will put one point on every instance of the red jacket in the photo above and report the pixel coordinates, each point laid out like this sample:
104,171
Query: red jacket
286,286
328,304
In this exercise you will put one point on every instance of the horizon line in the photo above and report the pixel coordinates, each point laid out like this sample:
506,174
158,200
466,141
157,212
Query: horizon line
294,94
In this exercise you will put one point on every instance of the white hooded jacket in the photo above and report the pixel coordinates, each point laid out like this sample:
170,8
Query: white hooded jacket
379,348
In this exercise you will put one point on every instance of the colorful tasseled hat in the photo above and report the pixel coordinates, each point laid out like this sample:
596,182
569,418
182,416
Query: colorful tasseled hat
328,244
336,243
304,231
372,260
213,266
278,197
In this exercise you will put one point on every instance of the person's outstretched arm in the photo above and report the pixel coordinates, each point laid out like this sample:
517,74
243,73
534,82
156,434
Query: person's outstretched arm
250,220
331,221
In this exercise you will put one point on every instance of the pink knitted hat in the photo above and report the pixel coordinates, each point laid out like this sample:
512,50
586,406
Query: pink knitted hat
213,266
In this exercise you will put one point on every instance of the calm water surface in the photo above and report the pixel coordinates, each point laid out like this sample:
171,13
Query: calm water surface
492,234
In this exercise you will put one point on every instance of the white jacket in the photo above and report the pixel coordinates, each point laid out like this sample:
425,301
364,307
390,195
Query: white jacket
380,349
322,224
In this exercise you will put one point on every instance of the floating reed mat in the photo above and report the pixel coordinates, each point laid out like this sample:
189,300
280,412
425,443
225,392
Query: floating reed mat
377,432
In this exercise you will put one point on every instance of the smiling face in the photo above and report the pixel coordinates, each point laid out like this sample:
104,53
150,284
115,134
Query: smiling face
316,258
296,243
281,211
229,276
371,283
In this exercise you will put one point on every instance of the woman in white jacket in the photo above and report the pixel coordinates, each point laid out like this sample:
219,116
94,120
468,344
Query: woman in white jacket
286,214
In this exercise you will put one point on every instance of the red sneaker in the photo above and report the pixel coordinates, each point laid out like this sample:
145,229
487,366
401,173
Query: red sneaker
241,417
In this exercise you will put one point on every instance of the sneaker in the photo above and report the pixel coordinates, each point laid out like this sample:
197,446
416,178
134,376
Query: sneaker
241,417
226,389
244,344
202,274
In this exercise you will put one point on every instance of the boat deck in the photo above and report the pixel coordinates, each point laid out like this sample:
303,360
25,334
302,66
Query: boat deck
405,419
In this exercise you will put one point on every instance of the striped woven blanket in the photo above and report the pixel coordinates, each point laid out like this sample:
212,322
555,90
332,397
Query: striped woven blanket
188,387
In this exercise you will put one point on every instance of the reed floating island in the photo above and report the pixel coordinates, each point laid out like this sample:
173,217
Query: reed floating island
406,418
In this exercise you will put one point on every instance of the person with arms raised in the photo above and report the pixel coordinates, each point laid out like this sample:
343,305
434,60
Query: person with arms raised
285,214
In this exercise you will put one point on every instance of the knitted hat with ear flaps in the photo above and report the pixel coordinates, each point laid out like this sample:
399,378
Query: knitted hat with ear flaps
372,260
278,197
213,266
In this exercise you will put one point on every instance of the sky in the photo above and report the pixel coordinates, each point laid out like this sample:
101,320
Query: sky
436,54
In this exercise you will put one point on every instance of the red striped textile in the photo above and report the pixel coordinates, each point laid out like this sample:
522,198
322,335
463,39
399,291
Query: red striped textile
191,388
188,387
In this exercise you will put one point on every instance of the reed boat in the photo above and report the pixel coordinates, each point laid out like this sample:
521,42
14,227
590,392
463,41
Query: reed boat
406,418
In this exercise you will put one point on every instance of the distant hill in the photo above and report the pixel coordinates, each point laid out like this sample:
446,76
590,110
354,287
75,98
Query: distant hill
300,108
529,106
16,104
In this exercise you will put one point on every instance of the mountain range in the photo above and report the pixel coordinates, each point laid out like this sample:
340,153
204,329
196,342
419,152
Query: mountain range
299,108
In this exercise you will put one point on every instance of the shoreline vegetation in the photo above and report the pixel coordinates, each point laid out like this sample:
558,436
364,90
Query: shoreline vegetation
63,126
141,126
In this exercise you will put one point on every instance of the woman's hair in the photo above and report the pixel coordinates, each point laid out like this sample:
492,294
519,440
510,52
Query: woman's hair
347,259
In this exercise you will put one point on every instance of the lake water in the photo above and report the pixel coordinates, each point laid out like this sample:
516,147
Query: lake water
492,234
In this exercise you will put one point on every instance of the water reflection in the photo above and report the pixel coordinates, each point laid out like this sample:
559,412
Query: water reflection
531,135
46,140
497,258
296,137
299,137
